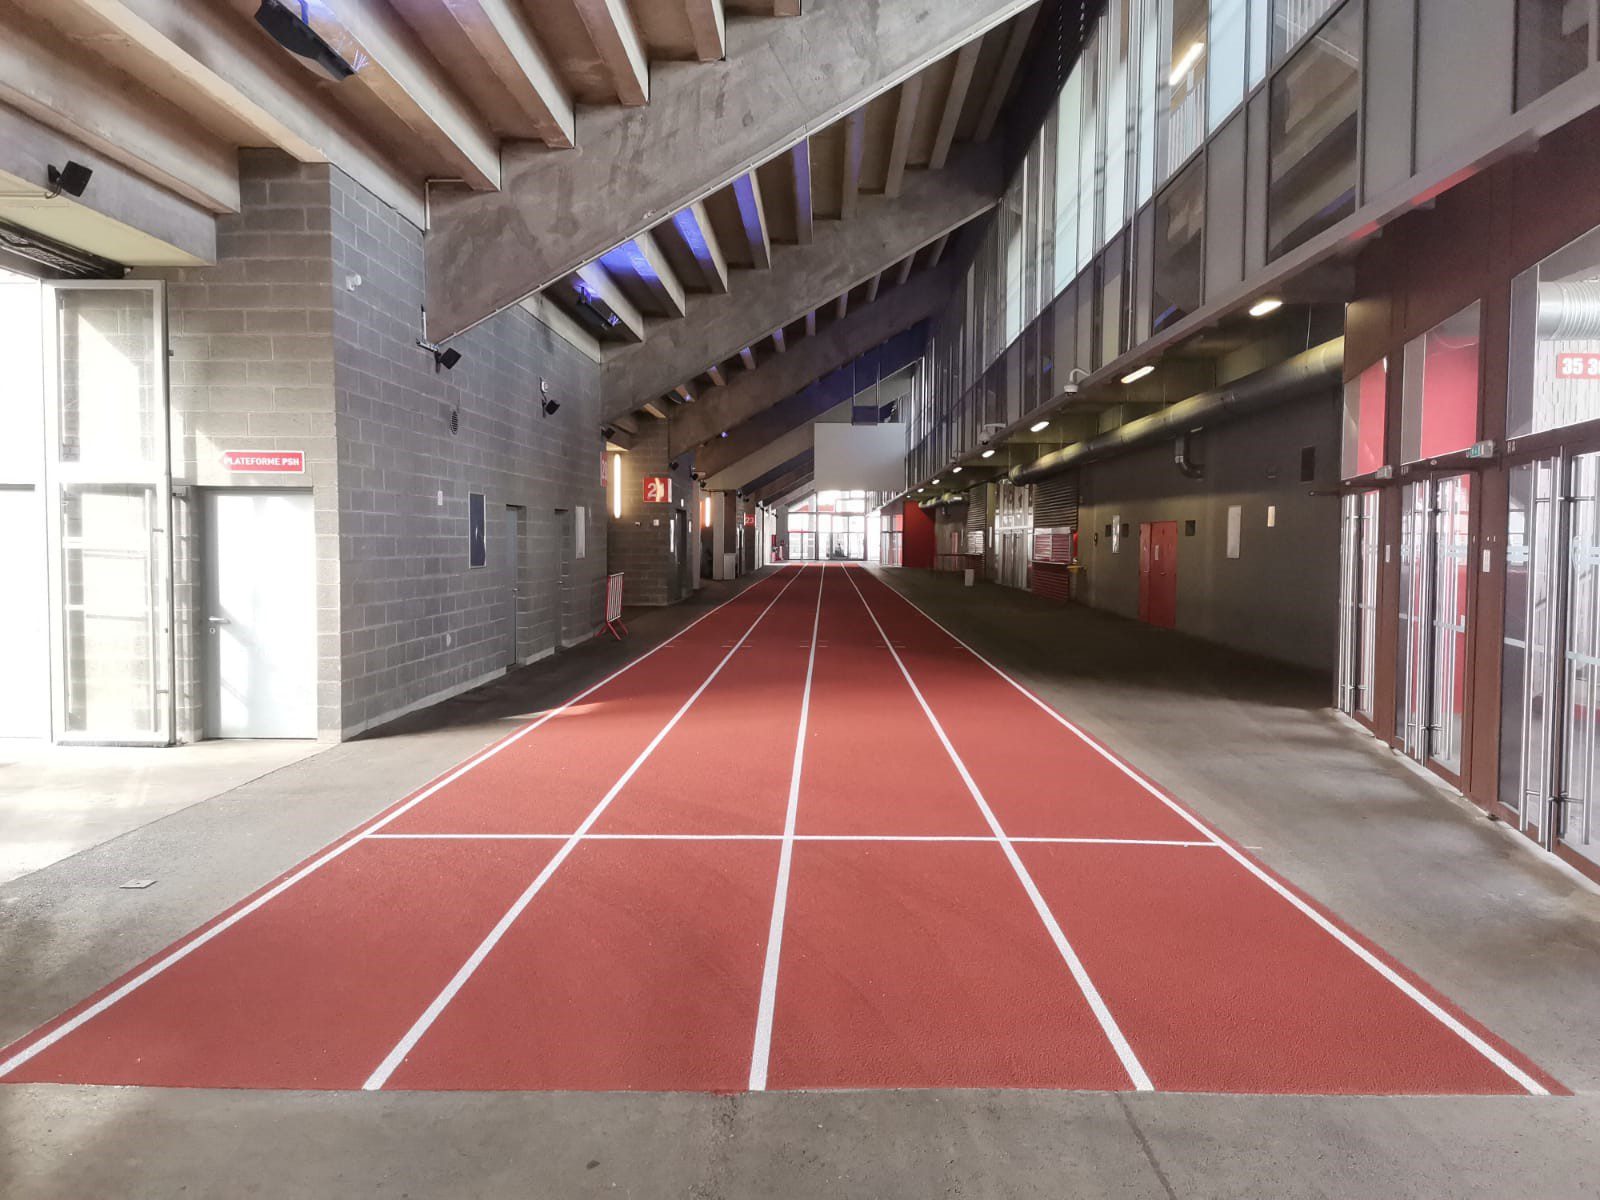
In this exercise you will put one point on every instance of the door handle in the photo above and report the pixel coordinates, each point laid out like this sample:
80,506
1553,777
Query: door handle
215,621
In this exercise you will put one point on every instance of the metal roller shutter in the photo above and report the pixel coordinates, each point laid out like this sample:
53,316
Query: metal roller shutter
1055,502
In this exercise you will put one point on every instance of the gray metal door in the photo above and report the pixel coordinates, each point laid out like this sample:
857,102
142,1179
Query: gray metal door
260,615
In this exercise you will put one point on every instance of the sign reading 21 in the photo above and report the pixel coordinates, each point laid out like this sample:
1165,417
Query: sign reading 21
657,489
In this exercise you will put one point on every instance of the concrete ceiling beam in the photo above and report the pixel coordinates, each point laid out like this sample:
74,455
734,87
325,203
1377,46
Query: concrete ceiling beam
501,34
1005,76
403,77
905,124
786,483
630,321
708,24
753,217
954,101
694,226
777,455
855,132
649,266
804,209
805,278
616,39
782,82
809,361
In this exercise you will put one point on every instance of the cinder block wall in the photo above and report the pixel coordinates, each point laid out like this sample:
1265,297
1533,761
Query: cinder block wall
419,624
641,542
251,368
303,336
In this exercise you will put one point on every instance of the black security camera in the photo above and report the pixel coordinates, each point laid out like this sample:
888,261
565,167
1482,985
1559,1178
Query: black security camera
607,432
550,406
673,465
71,179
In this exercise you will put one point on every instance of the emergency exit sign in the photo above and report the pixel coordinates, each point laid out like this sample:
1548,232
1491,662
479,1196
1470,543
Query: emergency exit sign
281,462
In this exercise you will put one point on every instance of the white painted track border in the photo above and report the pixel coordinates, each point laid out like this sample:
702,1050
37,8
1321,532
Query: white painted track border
1409,989
761,1053
1102,1012
230,919
467,969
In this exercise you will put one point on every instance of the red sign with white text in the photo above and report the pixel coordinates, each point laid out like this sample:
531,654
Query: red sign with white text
657,489
281,462
1578,366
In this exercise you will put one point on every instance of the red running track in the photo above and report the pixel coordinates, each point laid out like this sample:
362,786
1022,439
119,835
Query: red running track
813,841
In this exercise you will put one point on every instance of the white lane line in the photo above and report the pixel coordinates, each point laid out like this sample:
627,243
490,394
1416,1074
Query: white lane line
239,914
429,1015
776,837
1410,990
762,1050
1097,1004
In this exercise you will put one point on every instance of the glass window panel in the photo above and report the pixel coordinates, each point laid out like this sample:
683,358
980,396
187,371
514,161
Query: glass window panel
1439,409
1113,266
1311,139
1225,77
1365,404
1147,34
1552,44
1114,215
1088,152
109,623
1555,340
110,406
1069,130
1177,254
1293,19
1260,38
1186,79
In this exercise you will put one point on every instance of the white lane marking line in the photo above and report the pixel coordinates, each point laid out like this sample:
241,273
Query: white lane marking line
1428,1005
232,919
778,837
1097,1004
762,1051
430,1014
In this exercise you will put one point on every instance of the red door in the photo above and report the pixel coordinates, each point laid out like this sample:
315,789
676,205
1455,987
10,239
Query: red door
1158,573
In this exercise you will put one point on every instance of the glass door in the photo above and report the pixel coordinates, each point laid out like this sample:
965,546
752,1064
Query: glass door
1532,590
1358,601
1451,533
1577,821
1416,576
108,488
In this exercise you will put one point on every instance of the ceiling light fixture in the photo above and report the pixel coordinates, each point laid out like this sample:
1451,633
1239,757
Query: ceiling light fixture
955,471
1135,376
1039,427
1183,66
1262,307
294,34
935,483
987,454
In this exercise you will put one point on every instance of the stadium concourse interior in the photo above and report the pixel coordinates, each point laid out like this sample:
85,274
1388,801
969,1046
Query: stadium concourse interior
790,598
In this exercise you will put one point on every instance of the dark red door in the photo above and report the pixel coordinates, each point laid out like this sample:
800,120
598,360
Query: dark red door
1158,573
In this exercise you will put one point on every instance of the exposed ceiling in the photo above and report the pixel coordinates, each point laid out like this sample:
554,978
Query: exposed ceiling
808,244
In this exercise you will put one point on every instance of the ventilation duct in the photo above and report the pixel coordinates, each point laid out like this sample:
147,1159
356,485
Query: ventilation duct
1320,367
1569,310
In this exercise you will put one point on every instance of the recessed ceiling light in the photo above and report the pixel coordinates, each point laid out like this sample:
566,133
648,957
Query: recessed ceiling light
987,454
955,470
1039,427
935,483
1135,376
1262,307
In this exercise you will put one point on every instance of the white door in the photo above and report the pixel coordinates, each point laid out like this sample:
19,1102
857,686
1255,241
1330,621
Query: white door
261,615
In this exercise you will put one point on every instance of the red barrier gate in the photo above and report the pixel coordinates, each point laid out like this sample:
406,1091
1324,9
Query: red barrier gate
614,606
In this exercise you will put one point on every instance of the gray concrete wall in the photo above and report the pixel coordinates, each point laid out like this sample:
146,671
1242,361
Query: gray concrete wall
1279,598
640,543
419,624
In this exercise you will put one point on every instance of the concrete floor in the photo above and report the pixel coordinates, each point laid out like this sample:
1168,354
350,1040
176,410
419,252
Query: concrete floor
1249,745
57,801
